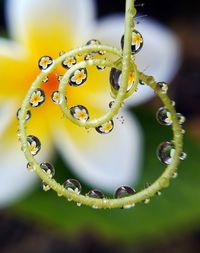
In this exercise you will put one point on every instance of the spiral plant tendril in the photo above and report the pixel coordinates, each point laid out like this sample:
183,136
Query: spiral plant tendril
124,80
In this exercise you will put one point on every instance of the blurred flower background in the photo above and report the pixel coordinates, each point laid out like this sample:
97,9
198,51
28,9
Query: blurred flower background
34,221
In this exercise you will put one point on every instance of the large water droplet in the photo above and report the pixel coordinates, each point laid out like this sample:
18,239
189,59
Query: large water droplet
165,152
78,77
45,62
164,117
28,114
80,113
72,185
115,79
48,169
34,144
106,127
69,62
37,98
137,41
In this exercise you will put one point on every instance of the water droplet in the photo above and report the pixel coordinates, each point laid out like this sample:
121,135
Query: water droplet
95,194
146,201
59,78
115,79
45,62
45,79
101,67
164,117
158,193
34,144
163,87
78,77
165,152
89,56
111,104
141,82
30,167
106,127
80,113
183,156
79,204
181,118
69,62
28,114
173,103
94,42
55,96
137,41
37,98
48,169
45,187
174,175
124,191
61,53
72,185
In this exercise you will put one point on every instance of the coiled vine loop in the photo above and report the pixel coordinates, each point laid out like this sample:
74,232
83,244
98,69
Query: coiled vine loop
170,152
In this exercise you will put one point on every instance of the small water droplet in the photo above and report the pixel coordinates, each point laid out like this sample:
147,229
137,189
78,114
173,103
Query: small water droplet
165,152
45,186
79,204
30,167
55,96
146,201
69,62
34,144
163,87
181,118
48,169
61,53
164,117
89,56
174,175
137,41
80,113
124,191
183,156
59,78
28,114
72,185
94,42
37,98
78,77
106,127
111,104
116,76
45,79
101,67
45,62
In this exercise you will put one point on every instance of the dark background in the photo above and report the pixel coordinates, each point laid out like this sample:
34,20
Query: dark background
183,18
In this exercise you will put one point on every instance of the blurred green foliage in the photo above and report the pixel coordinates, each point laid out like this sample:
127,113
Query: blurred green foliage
175,211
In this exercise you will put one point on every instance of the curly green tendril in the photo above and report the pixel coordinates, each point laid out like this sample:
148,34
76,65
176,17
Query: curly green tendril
125,64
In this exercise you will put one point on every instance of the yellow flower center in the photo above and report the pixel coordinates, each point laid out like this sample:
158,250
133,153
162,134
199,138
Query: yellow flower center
81,115
80,76
137,39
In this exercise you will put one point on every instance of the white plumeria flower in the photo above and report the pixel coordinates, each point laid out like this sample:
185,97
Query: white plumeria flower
46,27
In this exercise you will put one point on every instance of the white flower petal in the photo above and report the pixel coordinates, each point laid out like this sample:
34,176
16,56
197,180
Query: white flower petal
7,112
160,55
15,180
27,19
113,160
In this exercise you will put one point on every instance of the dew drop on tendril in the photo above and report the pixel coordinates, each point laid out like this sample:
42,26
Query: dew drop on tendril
80,113
34,144
79,77
69,62
163,87
137,41
48,169
28,114
106,127
72,185
45,62
164,117
165,152
37,98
